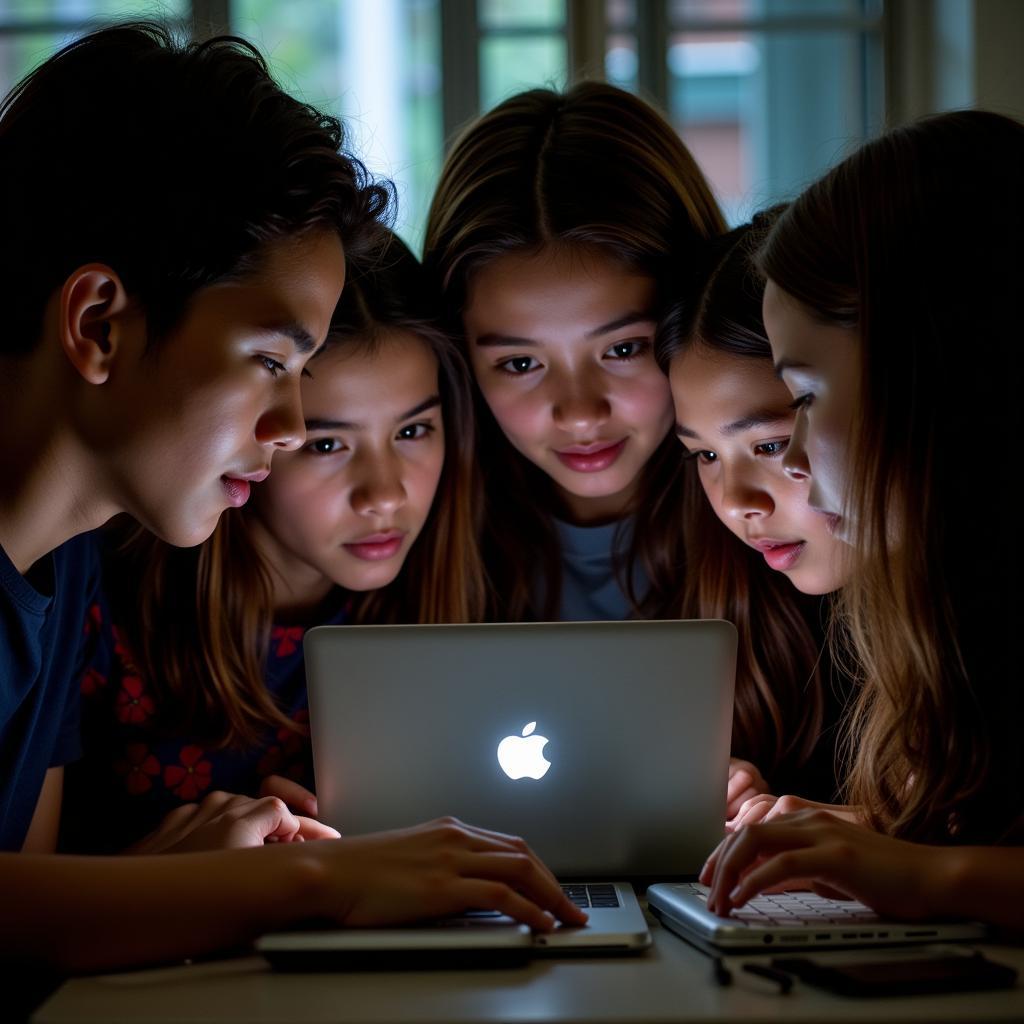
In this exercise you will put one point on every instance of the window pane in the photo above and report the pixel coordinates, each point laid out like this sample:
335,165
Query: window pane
376,65
521,13
681,12
620,61
22,11
765,114
620,14
509,65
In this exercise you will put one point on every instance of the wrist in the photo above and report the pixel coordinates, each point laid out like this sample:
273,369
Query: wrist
947,876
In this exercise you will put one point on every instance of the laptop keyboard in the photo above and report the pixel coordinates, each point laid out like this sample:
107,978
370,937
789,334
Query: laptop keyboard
796,909
588,895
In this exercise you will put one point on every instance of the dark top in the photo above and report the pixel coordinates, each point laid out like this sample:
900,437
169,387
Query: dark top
133,772
41,616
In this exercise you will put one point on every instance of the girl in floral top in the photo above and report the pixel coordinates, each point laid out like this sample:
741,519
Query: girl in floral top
196,687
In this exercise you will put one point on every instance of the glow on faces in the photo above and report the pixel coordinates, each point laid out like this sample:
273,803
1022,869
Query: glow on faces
734,417
560,343
201,414
820,365
346,508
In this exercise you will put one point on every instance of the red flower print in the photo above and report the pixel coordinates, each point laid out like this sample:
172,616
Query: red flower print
286,639
93,620
138,767
92,682
191,777
123,653
133,705
291,741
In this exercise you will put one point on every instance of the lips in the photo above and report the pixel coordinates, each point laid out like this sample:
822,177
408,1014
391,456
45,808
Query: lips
591,458
237,485
780,554
376,547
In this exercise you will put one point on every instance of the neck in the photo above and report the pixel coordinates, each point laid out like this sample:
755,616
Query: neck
50,488
297,588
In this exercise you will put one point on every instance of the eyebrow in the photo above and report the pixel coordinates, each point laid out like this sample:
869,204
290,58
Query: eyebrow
428,403
494,340
304,341
789,364
761,418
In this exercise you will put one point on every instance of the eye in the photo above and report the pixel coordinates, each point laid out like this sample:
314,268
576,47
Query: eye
623,351
415,431
273,365
518,365
702,456
324,446
772,449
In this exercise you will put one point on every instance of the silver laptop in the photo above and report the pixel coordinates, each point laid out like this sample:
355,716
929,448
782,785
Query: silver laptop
605,745
791,920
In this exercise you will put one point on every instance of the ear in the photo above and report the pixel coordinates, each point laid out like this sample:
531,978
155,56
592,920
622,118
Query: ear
91,327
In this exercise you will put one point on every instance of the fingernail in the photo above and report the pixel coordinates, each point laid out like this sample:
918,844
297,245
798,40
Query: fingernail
735,894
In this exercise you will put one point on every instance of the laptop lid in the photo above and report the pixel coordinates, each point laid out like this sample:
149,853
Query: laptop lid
605,745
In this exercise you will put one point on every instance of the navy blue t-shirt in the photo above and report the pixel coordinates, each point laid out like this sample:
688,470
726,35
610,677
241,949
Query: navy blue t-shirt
41,619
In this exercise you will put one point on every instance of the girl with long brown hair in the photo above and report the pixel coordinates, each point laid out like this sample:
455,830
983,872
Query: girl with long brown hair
555,221
892,307
734,419
199,686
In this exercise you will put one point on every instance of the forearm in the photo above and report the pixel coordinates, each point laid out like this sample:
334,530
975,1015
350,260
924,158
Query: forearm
983,883
96,913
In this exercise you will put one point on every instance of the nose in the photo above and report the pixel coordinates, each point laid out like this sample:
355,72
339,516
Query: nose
281,427
379,490
795,462
743,498
580,406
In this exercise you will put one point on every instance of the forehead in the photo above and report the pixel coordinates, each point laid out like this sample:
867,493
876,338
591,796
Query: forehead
719,387
540,293
376,378
799,339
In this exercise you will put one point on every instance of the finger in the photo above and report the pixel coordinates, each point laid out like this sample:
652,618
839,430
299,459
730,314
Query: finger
736,804
708,871
755,810
524,874
310,828
265,820
490,895
739,782
787,869
743,849
291,793
485,840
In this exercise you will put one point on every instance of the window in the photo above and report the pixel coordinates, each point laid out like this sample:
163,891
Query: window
767,93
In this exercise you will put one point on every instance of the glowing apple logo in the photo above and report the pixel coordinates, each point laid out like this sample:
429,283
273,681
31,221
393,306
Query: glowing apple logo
521,756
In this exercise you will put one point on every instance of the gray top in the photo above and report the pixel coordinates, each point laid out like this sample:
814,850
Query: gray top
590,589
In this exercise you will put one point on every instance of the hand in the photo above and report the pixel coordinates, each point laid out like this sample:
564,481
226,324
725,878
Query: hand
745,783
433,870
766,807
297,797
837,858
224,821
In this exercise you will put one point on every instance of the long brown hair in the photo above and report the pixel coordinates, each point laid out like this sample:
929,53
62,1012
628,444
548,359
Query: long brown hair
778,707
198,620
914,243
597,168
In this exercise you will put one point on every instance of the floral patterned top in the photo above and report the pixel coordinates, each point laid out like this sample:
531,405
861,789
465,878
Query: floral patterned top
132,773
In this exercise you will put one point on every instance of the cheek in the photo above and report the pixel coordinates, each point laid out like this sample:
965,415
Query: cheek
518,410
299,498
644,402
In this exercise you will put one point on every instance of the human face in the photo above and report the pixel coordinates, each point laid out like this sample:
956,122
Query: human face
734,417
820,365
560,343
199,417
346,508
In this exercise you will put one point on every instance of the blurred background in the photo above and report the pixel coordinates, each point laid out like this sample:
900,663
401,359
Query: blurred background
766,93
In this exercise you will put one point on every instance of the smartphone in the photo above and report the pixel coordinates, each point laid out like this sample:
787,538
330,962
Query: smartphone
956,972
